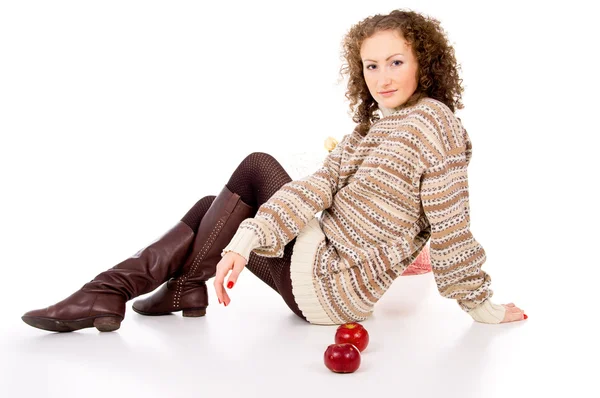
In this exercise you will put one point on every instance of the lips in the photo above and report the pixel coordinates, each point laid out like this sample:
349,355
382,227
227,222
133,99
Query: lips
387,92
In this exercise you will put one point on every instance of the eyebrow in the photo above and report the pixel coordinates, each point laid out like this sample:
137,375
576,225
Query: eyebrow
364,60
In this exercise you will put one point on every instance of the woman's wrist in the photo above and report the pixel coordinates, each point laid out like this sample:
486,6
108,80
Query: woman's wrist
231,251
242,243
488,312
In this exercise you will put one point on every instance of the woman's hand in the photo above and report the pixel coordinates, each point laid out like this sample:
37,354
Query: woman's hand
233,262
513,313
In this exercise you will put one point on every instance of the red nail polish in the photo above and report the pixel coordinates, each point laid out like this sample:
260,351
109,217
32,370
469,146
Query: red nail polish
219,301
230,285
525,316
225,304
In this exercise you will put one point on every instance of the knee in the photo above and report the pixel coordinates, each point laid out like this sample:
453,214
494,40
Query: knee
259,156
259,166
261,161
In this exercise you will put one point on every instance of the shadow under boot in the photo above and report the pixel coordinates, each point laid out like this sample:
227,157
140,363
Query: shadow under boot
187,291
101,302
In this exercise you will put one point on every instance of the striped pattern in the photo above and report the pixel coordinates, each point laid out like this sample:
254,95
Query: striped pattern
383,196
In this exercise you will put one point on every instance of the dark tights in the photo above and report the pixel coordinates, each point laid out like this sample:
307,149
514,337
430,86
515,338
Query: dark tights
256,179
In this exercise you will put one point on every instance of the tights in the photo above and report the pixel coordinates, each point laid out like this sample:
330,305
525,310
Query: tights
256,179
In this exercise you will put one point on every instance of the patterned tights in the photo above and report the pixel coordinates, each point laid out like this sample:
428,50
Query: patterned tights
256,179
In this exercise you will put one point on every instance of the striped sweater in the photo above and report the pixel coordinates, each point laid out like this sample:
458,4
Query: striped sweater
382,197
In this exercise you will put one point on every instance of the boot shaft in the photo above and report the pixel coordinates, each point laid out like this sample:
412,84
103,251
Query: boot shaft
187,291
148,268
217,228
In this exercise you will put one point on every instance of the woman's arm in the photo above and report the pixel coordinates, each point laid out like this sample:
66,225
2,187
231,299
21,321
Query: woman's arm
456,256
281,218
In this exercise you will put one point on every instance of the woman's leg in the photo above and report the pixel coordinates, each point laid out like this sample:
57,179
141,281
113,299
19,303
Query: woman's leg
275,272
194,215
101,302
252,183
256,179
272,271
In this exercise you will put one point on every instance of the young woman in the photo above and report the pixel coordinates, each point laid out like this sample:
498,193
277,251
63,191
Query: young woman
396,182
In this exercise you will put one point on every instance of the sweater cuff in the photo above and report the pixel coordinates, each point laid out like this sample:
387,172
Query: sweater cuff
242,243
488,312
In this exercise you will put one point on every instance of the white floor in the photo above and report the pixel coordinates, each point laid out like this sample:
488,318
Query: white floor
421,346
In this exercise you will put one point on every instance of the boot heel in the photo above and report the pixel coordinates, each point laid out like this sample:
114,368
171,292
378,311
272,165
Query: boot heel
194,313
107,323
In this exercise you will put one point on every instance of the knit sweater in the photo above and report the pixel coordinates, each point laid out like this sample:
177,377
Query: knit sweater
382,197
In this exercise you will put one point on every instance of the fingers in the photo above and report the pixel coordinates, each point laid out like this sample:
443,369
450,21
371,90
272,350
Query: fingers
226,300
513,313
230,262
514,309
238,265
223,267
516,316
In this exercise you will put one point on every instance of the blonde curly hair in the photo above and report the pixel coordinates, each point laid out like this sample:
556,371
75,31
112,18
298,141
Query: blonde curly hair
438,71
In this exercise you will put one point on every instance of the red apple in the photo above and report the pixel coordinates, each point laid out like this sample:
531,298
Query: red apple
342,358
353,333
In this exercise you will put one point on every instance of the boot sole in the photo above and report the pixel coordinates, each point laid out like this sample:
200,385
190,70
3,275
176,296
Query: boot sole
188,312
102,323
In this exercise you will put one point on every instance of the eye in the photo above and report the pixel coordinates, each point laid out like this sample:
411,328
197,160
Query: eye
397,62
369,67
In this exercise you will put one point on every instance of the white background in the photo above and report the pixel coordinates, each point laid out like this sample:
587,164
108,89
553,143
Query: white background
117,116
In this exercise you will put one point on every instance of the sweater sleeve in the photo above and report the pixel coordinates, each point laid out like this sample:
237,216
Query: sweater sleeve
456,256
282,217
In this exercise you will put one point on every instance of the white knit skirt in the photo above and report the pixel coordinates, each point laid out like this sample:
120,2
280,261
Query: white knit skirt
301,271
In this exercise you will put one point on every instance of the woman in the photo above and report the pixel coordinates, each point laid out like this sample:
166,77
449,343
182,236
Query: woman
388,188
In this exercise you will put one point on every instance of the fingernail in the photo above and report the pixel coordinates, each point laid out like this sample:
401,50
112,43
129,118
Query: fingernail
219,301
525,316
230,285
225,304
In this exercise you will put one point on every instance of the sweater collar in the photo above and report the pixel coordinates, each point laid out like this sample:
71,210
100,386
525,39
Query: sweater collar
388,111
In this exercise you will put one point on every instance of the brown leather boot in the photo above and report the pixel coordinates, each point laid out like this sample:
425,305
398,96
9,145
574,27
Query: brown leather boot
187,291
101,302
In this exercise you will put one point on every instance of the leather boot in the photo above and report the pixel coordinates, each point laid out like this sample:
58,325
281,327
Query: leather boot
187,290
101,302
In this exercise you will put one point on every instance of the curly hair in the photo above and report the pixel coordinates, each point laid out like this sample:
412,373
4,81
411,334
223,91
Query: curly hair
438,76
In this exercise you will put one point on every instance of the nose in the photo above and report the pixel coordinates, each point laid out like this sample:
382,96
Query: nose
385,80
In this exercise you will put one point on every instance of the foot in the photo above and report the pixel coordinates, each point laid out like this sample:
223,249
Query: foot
78,311
175,295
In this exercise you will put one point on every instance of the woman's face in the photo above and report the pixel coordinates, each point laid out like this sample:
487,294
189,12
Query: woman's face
389,68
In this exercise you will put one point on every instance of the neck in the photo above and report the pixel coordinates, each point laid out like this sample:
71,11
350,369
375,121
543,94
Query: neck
386,111
412,101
